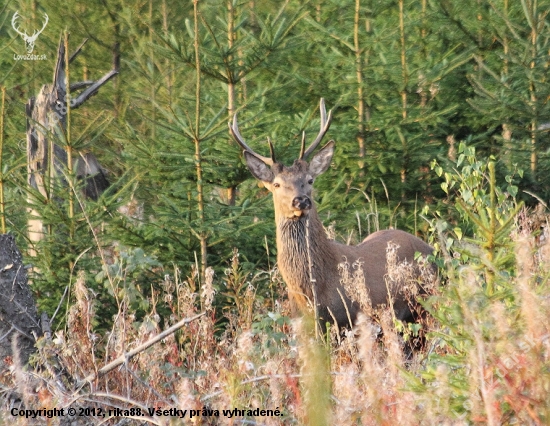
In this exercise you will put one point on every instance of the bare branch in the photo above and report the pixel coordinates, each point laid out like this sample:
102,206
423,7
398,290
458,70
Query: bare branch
128,355
78,50
92,90
7,333
81,85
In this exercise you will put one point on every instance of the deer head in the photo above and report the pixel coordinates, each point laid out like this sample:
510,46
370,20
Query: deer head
291,186
29,40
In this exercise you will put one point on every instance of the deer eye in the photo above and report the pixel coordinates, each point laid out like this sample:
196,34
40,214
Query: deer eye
310,181
276,185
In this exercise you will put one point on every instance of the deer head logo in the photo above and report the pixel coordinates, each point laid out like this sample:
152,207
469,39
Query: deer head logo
29,39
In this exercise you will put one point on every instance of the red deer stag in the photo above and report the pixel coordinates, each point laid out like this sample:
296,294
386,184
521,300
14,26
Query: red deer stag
307,258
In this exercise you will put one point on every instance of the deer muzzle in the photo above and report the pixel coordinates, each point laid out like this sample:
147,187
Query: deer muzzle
301,205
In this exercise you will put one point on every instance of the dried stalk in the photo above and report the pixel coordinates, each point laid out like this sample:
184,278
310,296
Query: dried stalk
128,355
2,202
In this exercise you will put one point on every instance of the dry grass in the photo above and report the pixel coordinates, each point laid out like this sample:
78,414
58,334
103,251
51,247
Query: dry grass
484,361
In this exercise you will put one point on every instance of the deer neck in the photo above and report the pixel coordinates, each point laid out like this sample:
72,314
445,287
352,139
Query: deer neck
304,251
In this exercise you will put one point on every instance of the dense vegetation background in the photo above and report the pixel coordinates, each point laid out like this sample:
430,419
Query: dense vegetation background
409,81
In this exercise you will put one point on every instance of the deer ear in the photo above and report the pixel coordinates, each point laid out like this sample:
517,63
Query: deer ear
321,161
258,168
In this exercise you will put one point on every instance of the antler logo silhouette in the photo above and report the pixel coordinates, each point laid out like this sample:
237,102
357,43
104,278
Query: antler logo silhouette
29,40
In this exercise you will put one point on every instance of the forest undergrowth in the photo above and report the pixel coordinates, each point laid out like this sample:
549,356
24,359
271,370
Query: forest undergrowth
481,353
165,303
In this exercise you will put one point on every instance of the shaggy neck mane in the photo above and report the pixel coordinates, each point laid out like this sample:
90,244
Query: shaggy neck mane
294,257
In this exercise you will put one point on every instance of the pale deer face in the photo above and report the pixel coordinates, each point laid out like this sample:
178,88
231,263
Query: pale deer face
291,186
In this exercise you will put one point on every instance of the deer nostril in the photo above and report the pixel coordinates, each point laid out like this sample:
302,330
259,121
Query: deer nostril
301,203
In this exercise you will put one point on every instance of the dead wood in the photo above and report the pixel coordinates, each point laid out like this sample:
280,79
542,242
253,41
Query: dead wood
18,313
46,118
128,355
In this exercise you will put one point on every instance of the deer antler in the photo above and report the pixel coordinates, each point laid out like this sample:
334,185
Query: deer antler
234,128
36,34
325,124
13,23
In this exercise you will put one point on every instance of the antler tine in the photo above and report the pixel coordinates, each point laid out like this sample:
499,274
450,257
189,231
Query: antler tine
234,128
45,23
325,124
303,147
13,23
271,151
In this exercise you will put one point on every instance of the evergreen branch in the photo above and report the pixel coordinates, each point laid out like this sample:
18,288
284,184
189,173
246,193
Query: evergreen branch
84,138
444,5
471,215
505,19
340,40
228,78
